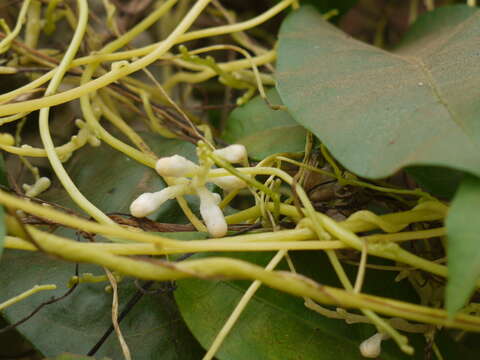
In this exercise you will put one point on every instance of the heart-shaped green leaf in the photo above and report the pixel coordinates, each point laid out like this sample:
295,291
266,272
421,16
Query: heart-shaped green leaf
463,228
264,131
379,111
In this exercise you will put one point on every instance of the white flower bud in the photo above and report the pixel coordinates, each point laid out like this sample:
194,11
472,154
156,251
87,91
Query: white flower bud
144,205
234,153
371,348
175,166
228,183
148,203
211,213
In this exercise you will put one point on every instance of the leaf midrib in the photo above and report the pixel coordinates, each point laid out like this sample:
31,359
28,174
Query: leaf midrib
431,80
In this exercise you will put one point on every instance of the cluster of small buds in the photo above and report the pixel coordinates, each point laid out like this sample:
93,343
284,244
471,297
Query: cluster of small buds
87,132
41,185
190,178
372,347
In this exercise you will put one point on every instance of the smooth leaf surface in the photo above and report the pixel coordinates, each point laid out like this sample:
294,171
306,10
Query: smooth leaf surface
463,229
278,326
442,182
264,131
378,111
153,329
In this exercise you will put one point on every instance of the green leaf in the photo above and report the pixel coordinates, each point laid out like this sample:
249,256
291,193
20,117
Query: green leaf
153,329
463,230
264,131
438,181
275,325
378,111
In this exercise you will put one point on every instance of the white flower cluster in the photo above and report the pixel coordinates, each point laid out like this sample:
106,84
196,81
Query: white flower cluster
189,178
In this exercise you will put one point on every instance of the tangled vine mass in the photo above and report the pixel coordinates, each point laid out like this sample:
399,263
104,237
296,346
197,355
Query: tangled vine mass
121,78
